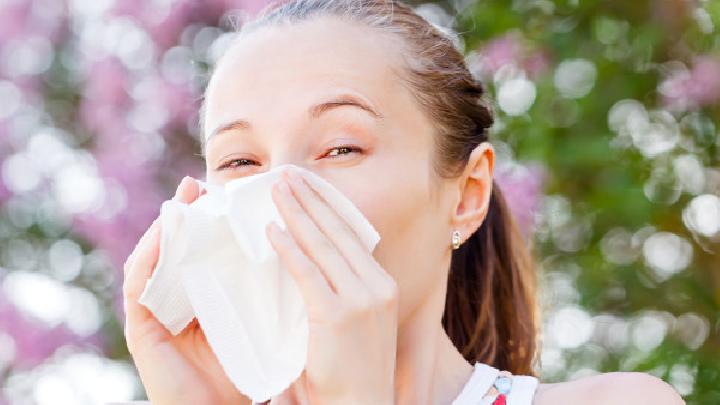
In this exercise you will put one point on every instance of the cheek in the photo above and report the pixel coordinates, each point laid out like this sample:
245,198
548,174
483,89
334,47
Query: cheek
411,224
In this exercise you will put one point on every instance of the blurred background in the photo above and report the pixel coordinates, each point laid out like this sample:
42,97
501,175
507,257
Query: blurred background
606,128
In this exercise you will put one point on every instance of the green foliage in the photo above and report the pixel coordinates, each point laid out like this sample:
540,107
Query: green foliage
606,183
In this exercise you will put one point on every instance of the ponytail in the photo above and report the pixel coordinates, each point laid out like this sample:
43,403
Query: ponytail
490,313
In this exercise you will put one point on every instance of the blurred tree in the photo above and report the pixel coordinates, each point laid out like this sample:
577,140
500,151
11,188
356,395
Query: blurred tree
608,108
619,101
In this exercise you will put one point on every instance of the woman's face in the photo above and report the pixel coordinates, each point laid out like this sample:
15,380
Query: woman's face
323,95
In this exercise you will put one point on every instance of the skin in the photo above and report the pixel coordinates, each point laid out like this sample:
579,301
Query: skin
375,330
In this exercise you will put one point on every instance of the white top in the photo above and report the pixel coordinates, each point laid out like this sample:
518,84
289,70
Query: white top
482,379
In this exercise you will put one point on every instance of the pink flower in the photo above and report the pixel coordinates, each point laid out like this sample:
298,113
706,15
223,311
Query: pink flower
5,150
22,18
165,26
105,95
512,49
695,88
34,341
501,51
12,20
522,187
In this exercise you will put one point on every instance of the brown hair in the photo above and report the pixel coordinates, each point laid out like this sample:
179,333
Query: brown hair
490,311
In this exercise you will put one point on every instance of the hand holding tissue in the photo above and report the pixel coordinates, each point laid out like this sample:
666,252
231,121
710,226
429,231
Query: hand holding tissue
217,265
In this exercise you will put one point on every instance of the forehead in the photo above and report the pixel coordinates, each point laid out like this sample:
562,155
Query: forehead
283,68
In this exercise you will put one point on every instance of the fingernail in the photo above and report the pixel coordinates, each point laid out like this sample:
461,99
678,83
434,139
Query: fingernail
181,185
274,231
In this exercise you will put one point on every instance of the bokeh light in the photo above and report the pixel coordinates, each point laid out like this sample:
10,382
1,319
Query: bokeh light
606,132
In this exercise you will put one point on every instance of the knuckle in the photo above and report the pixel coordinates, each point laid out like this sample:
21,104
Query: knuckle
362,304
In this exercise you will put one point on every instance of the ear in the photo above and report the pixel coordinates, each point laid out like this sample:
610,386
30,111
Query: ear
475,189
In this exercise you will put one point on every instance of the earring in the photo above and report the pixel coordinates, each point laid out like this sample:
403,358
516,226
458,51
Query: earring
455,239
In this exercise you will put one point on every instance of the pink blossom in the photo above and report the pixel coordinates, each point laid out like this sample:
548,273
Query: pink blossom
179,100
536,63
105,95
5,150
501,51
12,20
102,113
522,188
694,88
512,49
19,19
165,26
34,341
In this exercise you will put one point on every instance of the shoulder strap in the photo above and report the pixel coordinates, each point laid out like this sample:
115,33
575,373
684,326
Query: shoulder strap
523,390
480,388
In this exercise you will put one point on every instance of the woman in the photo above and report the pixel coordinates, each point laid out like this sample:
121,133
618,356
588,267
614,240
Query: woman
372,97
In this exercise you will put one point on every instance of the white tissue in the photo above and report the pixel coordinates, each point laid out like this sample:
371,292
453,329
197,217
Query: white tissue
217,265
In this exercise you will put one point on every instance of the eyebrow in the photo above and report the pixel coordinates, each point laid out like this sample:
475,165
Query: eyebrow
314,111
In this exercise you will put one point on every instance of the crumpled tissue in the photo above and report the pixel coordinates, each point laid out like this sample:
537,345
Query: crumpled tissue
217,265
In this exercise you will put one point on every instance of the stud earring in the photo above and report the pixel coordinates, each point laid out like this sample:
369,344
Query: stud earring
455,239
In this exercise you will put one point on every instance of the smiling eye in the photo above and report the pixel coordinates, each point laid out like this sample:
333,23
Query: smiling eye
342,150
332,153
234,163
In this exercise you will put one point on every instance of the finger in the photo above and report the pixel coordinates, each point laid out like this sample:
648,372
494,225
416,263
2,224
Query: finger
316,291
141,268
312,241
143,263
338,231
187,191
131,258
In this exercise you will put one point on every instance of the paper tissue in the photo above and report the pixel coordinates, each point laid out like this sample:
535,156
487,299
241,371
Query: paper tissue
217,265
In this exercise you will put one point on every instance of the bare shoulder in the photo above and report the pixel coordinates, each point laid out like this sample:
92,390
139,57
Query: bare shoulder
617,388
